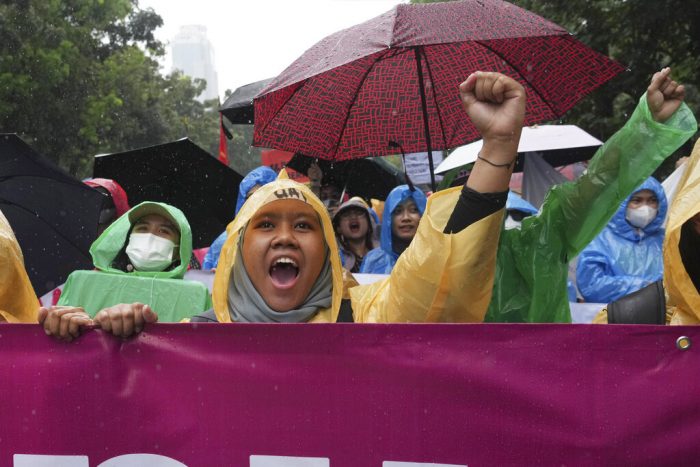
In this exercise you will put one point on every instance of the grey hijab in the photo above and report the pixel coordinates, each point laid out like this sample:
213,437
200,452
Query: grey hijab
247,306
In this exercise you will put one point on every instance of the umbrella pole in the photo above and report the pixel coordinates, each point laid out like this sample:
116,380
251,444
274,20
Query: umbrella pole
426,126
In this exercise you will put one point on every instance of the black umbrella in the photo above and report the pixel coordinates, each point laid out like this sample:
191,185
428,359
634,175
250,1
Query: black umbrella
182,174
368,177
238,108
54,215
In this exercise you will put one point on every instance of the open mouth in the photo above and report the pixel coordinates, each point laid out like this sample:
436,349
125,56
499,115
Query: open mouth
284,272
354,227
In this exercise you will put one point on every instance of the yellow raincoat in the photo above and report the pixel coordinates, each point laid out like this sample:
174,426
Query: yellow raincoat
683,298
439,278
18,302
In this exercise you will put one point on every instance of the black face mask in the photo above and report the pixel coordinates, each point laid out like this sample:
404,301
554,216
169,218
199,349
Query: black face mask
689,247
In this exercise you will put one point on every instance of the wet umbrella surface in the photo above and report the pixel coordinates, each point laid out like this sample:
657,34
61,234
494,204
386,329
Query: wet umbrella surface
54,216
396,77
238,108
182,174
367,178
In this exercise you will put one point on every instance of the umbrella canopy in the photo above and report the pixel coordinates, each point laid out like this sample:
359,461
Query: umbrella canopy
367,178
182,174
54,216
238,108
560,145
396,77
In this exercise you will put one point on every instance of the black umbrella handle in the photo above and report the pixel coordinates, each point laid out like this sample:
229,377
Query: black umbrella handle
426,125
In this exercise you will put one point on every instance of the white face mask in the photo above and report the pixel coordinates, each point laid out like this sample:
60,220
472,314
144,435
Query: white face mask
642,216
149,252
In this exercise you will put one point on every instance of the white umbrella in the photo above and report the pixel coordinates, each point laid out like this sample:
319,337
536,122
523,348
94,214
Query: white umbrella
534,138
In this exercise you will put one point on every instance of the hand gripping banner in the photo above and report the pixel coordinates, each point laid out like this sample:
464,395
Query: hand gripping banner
351,395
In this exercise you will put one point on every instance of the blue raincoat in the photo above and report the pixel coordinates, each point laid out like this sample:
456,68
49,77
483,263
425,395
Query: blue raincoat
259,176
622,259
381,260
516,203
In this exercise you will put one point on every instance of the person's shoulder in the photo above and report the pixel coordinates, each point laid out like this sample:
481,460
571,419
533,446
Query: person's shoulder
208,316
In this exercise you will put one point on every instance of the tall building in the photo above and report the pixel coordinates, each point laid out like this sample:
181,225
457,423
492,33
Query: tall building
193,54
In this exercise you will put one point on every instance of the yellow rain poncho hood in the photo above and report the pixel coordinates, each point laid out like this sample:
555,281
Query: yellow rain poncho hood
683,297
18,303
439,278
282,188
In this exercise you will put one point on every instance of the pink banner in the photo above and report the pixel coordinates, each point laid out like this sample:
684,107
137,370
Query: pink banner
352,395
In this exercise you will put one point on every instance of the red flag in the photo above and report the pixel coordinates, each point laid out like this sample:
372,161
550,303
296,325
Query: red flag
223,144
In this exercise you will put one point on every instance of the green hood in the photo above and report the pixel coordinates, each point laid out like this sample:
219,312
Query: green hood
115,237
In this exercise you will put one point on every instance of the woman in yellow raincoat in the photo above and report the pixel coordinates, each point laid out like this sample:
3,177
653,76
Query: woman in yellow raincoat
682,248
18,302
281,262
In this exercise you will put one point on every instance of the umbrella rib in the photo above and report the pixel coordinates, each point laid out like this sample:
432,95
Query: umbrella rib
3,200
354,98
483,44
65,182
279,109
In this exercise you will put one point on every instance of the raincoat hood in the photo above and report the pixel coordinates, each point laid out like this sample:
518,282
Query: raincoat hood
113,240
121,202
355,202
682,293
397,196
282,188
259,176
621,227
516,203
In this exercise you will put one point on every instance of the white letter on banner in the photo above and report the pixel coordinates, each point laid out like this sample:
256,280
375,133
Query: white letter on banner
141,460
38,460
283,461
417,464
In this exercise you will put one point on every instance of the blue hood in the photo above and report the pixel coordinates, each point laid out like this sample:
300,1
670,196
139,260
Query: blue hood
396,197
516,203
259,176
621,227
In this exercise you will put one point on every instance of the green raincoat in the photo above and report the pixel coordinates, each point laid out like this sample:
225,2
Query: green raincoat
166,292
532,262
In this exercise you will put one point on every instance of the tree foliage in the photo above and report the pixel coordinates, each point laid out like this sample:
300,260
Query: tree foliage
642,35
80,77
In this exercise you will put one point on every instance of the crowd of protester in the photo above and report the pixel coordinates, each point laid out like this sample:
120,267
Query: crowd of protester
473,253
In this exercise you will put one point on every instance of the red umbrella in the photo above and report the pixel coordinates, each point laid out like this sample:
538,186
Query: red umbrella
396,77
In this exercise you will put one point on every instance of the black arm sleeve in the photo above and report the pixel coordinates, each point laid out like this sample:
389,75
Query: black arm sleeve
473,206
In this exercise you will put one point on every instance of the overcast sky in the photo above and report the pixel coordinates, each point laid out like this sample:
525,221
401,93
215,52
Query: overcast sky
257,39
